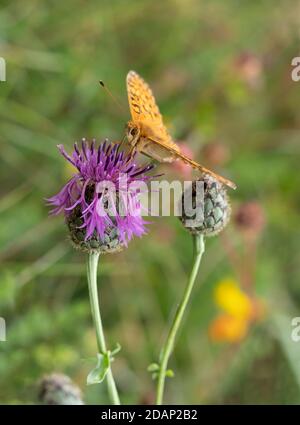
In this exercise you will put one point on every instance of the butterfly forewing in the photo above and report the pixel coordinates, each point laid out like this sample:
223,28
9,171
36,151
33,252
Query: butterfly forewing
195,165
155,139
144,109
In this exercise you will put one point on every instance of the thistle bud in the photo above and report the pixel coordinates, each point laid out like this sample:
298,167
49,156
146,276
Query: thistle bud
108,243
58,389
212,206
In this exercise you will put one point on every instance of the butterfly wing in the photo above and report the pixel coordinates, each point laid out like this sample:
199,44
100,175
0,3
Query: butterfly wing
194,164
145,111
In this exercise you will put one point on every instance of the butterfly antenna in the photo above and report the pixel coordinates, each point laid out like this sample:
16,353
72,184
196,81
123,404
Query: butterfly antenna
115,100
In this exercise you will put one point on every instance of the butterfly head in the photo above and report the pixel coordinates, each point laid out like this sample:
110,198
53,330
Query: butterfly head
133,132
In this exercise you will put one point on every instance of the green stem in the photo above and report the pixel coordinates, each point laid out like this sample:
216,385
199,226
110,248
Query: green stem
167,348
94,300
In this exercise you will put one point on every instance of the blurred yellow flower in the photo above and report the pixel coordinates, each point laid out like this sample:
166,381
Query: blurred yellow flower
231,299
226,328
240,310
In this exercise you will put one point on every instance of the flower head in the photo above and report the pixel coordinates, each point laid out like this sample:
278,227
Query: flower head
239,312
215,154
250,218
231,299
101,201
210,208
59,389
226,328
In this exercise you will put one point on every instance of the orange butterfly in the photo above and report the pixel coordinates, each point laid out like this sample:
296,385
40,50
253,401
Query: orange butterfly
146,132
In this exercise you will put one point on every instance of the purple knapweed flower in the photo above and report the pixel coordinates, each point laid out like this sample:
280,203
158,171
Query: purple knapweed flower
101,201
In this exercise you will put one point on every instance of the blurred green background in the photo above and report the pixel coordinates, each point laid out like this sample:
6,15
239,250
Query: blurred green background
221,73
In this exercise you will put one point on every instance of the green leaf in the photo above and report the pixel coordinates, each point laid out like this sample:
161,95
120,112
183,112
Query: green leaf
97,375
153,367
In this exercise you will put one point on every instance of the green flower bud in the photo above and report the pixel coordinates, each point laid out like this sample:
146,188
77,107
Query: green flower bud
213,206
109,244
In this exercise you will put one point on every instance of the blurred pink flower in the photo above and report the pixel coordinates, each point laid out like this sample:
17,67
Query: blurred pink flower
179,166
249,68
215,154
